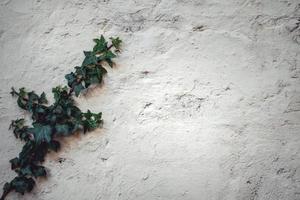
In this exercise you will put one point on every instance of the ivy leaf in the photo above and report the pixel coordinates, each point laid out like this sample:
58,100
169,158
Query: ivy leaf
71,78
25,171
102,69
91,120
39,152
78,88
43,99
101,45
22,184
80,71
22,103
22,92
41,133
32,100
62,129
32,96
60,92
18,123
108,56
90,58
92,77
39,112
25,154
74,112
39,171
32,170
116,42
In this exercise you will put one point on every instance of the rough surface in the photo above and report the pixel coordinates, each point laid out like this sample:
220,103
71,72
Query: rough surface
204,103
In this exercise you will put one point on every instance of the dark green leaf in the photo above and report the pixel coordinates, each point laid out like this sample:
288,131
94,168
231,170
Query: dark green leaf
109,55
27,151
43,99
62,129
78,88
39,171
71,78
90,58
41,133
25,171
80,71
116,42
22,92
40,152
32,96
18,123
60,92
32,170
22,103
22,184
91,120
101,45
19,129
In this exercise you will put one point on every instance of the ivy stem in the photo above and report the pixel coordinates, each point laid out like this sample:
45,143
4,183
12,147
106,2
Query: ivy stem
110,46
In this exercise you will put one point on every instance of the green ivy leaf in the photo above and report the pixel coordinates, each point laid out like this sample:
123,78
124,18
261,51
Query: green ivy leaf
25,154
18,123
62,129
78,88
22,184
60,92
41,133
25,171
90,58
43,99
39,152
108,56
22,103
71,78
91,120
32,170
39,171
80,71
116,42
101,45
22,92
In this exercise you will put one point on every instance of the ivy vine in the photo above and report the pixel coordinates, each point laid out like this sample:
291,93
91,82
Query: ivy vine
62,118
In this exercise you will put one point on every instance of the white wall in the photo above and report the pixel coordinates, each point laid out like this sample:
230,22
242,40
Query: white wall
204,103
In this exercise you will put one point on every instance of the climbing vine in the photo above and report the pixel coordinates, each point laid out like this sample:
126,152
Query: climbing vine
62,118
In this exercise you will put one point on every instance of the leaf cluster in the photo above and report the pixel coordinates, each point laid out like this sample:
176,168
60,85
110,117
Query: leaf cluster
91,70
60,119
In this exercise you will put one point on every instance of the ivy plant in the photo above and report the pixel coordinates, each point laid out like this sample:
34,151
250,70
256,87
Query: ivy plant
62,118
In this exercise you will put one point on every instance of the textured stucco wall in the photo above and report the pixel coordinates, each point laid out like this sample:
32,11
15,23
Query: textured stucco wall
203,105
